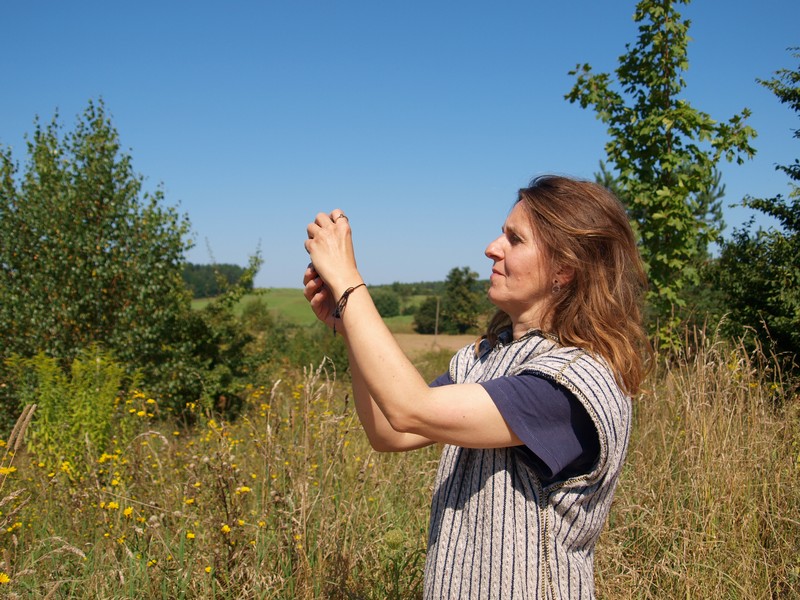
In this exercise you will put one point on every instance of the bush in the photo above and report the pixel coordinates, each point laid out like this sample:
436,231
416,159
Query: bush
387,302
82,414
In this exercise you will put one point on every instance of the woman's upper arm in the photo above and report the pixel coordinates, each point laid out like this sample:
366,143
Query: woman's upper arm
462,415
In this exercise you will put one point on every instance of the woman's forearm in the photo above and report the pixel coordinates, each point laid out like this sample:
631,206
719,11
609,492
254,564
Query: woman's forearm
382,436
392,384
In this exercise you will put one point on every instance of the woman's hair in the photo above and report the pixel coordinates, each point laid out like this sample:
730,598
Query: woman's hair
583,228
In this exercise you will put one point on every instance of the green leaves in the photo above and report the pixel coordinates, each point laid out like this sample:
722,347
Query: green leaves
87,257
457,311
760,271
664,152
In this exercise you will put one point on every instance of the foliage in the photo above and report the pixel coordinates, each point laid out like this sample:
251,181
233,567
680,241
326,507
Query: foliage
210,358
663,150
81,414
85,256
759,271
386,301
458,309
460,303
207,281
427,318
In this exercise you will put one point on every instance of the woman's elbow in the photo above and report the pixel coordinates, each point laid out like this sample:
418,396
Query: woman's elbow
397,441
381,444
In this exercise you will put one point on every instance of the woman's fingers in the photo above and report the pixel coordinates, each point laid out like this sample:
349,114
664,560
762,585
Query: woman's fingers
309,274
312,287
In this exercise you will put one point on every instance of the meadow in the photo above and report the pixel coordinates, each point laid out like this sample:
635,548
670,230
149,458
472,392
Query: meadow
288,500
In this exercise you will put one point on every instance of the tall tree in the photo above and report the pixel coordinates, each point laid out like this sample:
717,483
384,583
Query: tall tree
86,257
460,304
458,309
759,271
664,152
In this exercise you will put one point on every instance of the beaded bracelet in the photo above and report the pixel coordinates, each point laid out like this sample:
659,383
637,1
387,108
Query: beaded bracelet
337,312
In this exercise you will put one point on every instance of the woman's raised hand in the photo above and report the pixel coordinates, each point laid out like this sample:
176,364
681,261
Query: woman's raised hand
333,265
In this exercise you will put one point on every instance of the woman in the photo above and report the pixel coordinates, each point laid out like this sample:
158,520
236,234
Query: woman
535,416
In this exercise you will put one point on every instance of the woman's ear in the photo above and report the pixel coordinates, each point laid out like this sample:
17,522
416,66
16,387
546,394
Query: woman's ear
564,275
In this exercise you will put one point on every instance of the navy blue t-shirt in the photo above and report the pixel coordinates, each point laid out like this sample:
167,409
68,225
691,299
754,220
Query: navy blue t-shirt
559,438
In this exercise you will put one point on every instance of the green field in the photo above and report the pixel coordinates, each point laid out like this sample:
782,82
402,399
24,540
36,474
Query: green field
289,305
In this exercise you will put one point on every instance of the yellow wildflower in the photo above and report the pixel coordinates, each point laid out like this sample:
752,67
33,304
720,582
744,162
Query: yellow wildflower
128,511
226,528
208,569
7,470
4,578
112,505
189,535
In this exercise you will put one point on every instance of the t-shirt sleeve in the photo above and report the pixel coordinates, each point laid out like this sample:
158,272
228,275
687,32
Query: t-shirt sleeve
443,379
560,438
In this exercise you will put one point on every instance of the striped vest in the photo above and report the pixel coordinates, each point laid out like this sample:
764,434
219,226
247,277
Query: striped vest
497,531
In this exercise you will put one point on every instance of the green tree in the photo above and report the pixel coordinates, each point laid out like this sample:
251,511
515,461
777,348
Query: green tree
456,310
427,318
664,152
207,281
87,257
759,272
386,301
461,303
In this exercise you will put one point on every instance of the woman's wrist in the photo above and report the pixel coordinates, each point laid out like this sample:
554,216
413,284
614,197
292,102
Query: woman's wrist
341,304
338,284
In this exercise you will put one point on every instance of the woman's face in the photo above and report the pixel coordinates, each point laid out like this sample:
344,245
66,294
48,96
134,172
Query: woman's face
521,280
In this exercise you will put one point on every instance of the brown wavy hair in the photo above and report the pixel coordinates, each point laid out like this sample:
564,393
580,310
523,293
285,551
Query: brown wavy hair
583,227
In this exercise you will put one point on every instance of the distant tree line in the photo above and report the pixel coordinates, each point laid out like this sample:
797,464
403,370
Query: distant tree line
209,281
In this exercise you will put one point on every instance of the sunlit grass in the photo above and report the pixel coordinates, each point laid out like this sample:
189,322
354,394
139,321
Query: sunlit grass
289,501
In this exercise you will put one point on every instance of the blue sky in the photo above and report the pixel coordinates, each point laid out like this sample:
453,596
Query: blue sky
420,119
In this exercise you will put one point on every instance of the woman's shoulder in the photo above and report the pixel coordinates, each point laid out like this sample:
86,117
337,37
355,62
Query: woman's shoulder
573,367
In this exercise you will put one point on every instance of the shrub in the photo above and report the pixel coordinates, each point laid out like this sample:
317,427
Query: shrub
81,414
387,302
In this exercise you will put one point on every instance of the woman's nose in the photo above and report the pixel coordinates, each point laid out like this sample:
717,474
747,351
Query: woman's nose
493,249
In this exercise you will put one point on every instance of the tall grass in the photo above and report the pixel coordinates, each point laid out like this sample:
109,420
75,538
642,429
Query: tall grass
709,504
288,500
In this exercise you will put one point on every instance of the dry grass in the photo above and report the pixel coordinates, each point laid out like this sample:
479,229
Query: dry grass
709,505
288,501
